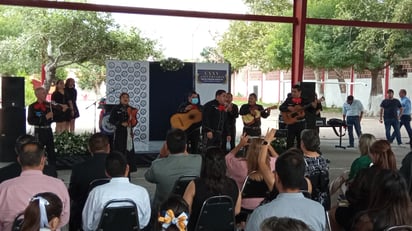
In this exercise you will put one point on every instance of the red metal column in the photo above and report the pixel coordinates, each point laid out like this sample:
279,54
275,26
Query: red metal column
298,42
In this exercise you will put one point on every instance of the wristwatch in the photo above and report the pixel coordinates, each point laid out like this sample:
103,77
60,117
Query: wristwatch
265,142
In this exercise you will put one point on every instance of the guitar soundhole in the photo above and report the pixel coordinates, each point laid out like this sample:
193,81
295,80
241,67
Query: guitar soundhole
294,114
191,117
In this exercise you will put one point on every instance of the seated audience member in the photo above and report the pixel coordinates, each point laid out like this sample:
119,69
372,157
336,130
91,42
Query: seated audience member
119,187
14,169
317,169
389,204
283,224
212,182
406,171
84,173
267,173
290,169
364,161
43,213
239,168
165,171
173,214
359,190
15,194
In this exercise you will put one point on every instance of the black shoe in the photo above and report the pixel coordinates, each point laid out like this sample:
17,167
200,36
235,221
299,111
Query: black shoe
350,146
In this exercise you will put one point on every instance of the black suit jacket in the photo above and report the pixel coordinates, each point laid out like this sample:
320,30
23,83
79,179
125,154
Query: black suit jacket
82,174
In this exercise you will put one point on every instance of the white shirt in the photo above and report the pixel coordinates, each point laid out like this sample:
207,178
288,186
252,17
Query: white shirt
353,109
117,188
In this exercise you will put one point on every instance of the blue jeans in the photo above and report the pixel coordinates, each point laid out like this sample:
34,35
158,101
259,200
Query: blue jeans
394,122
353,121
405,121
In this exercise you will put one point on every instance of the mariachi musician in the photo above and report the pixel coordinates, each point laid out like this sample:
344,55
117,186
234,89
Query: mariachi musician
293,111
124,117
251,114
192,105
40,115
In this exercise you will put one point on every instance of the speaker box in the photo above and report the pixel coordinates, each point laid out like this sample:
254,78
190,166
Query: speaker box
12,92
12,125
308,90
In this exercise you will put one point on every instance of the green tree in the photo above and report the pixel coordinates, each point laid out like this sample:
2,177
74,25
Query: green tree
60,38
375,49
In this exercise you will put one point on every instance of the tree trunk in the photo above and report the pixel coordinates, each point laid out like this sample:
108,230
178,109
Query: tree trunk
376,94
50,69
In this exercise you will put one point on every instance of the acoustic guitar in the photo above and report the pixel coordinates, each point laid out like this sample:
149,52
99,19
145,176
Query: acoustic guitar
298,113
249,119
184,120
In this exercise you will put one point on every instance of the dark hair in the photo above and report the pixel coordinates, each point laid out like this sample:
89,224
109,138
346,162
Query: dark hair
115,164
214,169
350,98
389,91
283,224
190,93
178,205
32,213
219,92
310,139
403,91
98,142
290,168
297,87
176,141
68,80
382,155
31,155
122,94
21,140
253,94
389,202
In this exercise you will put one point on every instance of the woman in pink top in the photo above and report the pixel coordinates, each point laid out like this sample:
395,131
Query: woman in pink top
238,168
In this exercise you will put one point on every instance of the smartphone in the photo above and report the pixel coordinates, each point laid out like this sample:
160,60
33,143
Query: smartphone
281,133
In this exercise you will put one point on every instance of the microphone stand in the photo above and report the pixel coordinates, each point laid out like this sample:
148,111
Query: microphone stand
95,109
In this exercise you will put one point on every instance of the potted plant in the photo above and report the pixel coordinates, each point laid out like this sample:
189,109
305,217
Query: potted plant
70,148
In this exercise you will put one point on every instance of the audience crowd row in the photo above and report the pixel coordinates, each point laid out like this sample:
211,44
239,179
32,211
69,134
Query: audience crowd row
374,194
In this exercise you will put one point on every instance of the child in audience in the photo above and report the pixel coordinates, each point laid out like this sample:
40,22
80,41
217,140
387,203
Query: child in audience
43,213
174,214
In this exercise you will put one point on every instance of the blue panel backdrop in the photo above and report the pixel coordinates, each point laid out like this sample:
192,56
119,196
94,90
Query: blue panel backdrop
168,89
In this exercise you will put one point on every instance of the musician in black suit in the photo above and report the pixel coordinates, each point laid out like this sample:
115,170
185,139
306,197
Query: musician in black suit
193,132
232,114
214,122
83,174
251,114
123,116
293,114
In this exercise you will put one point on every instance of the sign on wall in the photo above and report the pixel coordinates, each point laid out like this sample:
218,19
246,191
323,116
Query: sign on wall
211,77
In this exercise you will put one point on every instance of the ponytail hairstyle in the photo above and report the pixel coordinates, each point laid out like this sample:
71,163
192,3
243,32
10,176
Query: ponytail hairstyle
43,211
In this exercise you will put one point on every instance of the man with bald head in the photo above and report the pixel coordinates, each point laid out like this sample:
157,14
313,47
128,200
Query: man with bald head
15,194
40,116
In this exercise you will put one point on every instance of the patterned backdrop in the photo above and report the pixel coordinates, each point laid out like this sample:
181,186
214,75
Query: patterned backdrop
131,77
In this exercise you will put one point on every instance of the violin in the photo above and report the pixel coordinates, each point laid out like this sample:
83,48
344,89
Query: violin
132,116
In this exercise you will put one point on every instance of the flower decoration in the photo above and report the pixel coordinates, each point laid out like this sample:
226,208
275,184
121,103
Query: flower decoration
171,64
70,144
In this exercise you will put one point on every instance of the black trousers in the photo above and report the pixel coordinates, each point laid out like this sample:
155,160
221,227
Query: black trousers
294,131
45,137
